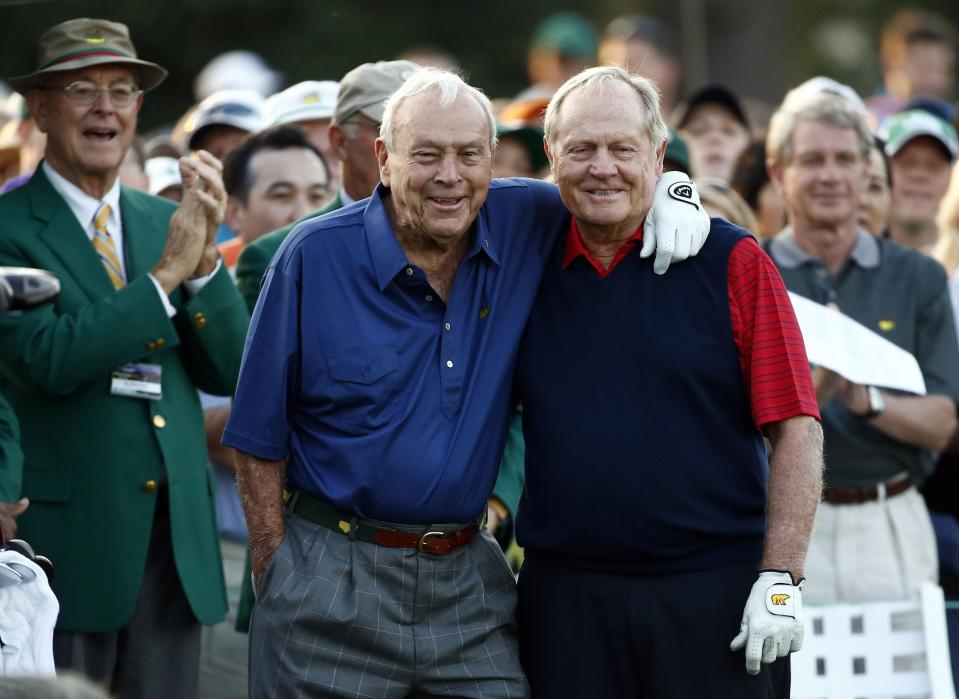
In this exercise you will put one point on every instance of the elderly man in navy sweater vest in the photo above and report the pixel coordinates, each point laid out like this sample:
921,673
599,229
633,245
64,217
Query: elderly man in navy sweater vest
650,508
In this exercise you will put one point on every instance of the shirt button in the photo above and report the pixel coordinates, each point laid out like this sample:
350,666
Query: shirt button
409,271
150,486
449,363
448,326
159,422
429,297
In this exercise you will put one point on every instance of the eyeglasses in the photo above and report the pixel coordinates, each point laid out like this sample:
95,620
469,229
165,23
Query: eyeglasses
87,93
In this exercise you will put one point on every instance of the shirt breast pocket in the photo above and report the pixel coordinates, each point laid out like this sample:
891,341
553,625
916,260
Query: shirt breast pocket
364,387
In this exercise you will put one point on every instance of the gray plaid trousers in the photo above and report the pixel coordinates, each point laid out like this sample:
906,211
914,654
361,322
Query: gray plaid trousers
336,617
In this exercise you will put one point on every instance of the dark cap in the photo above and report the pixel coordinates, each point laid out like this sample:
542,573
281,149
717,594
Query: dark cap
712,94
81,43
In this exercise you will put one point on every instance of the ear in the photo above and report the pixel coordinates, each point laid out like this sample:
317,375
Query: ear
235,214
338,141
550,157
775,171
383,158
660,154
37,104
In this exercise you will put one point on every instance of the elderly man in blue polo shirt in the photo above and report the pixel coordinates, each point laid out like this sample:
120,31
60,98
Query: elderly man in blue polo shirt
376,382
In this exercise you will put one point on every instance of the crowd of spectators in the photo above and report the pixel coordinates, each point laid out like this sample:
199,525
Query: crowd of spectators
854,197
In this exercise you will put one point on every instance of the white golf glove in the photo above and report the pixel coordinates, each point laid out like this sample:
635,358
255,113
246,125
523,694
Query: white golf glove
677,224
772,621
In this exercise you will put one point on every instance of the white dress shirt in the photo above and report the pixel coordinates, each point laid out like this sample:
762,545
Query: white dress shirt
85,208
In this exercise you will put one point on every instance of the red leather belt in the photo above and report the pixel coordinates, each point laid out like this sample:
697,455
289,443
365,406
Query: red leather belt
856,495
429,540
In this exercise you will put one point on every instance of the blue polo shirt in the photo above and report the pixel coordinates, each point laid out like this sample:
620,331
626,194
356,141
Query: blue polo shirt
388,403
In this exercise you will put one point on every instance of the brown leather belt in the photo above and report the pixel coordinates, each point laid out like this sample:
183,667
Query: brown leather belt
856,495
428,540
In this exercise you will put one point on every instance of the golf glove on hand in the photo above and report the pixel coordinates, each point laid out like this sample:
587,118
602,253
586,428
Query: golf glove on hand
677,224
772,624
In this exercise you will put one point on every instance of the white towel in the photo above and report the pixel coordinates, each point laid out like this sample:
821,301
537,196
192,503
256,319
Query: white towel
28,613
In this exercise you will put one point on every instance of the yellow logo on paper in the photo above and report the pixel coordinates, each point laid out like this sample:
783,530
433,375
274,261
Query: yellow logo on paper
779,600
886,325
344,526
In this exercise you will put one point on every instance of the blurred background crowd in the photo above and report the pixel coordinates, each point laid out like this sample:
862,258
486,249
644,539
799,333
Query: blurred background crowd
260,90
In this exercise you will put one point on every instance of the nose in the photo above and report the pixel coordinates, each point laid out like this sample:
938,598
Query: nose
103,102
447,172
602,164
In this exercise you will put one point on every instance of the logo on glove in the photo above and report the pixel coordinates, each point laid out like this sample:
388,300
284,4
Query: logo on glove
779,600
683,191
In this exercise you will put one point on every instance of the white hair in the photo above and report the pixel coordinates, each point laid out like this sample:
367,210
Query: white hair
447,85
600,78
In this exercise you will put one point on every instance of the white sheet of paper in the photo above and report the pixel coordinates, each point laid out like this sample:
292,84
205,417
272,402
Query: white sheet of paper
837,342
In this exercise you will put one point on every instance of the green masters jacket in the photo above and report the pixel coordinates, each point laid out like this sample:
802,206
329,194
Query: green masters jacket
94,460
11,455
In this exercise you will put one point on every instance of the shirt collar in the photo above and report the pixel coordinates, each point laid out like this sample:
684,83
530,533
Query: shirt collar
387,255
787,253
576,248
83,206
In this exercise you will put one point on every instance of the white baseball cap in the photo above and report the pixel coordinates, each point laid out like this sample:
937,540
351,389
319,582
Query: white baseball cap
312,99
162,172
242,109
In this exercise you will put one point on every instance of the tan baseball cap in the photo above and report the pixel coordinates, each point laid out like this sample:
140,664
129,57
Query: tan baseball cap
366,88
84,42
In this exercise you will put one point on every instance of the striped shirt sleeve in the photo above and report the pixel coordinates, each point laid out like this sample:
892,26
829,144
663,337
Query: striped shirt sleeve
772,354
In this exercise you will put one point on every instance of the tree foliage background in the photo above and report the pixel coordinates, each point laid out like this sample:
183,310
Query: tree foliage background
758,47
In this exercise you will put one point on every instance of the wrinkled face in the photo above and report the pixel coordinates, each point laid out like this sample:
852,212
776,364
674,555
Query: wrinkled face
715,139
287,185
603,160
874,208
825,175
440,168
86,141
920,178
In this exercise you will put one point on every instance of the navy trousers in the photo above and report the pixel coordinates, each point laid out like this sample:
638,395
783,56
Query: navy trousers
587,634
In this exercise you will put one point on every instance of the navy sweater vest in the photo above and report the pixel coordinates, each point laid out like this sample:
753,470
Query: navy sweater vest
641,452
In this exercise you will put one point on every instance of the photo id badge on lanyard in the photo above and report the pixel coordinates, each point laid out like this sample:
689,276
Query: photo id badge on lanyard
137,381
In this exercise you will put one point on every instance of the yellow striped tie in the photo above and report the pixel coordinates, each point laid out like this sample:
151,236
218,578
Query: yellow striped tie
105,247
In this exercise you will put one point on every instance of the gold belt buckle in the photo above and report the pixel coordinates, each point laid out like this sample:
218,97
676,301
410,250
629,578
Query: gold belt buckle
422,541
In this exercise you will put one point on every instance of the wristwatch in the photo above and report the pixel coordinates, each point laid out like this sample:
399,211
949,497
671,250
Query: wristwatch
876,403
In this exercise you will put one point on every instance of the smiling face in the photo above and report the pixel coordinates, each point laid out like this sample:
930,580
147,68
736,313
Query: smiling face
285,186
824,177
920,178
603,160
86,143
440,167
